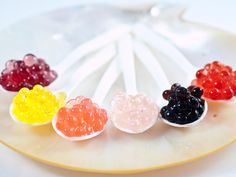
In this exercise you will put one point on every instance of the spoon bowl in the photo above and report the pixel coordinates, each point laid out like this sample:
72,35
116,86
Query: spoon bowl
74,138
60,96
189,124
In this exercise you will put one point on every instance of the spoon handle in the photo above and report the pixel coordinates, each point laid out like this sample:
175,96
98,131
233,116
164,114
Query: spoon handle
90,66
147,58
108,79
160,43
90,46
126,59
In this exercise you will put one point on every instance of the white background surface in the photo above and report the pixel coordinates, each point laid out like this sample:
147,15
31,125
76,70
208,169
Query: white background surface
217,13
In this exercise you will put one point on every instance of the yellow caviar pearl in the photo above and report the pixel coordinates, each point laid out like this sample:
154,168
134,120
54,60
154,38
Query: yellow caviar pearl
23,91
38,88
36,106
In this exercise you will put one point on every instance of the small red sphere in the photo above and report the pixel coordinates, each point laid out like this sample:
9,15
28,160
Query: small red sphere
214,94
214,72
202,73
218,84
232,85
207,66
233,74
224,74
216,63
228,69
227,93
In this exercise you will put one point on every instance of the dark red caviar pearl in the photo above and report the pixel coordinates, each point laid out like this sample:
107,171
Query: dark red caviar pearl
207,66
166,94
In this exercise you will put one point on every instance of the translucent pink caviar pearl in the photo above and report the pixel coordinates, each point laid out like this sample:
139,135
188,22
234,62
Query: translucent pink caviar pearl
133,114
30,60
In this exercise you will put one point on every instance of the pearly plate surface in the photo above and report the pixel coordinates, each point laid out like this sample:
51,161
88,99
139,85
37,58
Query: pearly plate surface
55,34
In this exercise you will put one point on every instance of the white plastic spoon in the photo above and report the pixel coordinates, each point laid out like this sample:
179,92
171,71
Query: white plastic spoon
106,82
131,112
110,76
155,69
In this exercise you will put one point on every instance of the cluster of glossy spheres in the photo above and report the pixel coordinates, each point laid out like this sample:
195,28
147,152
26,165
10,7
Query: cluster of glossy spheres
217,80
80,117
184,105
27,72
36,106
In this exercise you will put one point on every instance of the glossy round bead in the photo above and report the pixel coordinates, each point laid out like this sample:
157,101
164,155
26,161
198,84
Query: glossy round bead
197,92
214,94
190,88
163,110
182,92
227,93
224,74
170,115
216,64
166,94
194,101
207,66
201,73
175,86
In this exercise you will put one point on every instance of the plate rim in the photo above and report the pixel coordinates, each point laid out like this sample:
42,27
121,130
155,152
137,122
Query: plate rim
118,171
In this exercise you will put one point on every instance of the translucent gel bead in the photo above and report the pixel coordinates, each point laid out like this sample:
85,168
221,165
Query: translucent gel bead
133,114
36,106
80,117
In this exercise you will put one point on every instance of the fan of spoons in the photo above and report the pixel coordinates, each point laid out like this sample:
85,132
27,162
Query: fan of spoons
82,118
